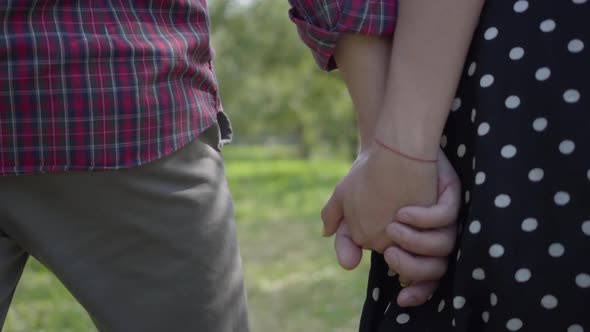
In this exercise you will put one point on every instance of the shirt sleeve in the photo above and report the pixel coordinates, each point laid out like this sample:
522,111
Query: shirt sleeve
321,22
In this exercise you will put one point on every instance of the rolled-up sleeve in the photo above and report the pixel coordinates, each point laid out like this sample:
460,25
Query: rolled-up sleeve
321,22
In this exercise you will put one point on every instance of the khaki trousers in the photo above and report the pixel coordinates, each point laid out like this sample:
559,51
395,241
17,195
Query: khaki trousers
150,248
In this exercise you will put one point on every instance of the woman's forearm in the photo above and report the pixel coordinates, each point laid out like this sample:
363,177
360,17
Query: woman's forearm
364,63
431,43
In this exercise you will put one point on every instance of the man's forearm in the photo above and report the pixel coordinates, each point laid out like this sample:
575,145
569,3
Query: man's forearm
364,63
431,42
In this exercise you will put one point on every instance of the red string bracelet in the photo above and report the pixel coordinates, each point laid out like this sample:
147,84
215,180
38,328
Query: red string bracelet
403,154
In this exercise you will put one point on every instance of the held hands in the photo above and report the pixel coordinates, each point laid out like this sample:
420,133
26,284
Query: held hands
378,184
415,241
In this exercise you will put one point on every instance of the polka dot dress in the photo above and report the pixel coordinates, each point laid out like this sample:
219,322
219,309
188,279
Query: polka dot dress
518,135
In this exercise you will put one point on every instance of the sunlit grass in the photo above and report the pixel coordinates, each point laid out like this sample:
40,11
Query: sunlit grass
293,281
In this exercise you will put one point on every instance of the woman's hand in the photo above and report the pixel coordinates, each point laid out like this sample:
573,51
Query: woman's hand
424,237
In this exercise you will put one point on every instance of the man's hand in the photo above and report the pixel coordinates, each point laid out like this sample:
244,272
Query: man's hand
367,198
424,237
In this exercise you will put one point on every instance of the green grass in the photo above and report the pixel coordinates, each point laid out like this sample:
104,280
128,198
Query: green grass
293,281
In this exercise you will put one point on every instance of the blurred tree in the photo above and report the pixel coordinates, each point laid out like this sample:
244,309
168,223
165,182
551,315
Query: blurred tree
270,85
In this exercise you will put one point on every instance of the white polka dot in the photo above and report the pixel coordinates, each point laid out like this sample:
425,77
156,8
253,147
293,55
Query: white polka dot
461,150
536,174
571,96
542,73
575,327
540,124
458,254
467,196
583,280
485,316
547,25
522,275
486,80
458,302
561,198
456,104
473,163
496,251
586,227
520,6
588,174
493,299
474,227
514,324
549,302
529,224
512,102
478,274
453,322
376,294
567,147
471,69
575,46
502,201
443,141
490,33
483,129
480,178
403,318
391,273
579,2
441,305
508,151
516,53
556,250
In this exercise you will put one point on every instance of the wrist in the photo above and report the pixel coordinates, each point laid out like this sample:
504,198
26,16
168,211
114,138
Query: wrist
399,153
385,168
412,133
413,145
382,158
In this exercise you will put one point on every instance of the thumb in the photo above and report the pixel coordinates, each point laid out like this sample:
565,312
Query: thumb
348,253
332,213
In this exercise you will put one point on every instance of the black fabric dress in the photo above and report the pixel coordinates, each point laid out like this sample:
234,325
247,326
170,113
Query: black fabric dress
519,137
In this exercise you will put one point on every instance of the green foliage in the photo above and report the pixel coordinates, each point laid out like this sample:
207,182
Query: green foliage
270,85
294,283
42,303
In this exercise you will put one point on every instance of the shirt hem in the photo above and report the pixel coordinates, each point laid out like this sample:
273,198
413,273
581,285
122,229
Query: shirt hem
62,169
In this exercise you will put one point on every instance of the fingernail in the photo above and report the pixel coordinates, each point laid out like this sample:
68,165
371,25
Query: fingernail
395,231
405,217
323,230
411,301
392,260
403,284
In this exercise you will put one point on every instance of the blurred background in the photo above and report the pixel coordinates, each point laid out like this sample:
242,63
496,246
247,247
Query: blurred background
294,138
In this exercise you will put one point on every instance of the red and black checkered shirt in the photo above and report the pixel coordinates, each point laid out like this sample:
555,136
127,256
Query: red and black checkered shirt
109,84
101,84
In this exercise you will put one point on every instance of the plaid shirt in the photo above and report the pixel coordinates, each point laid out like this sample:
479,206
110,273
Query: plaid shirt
321,22
108,84
102,84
